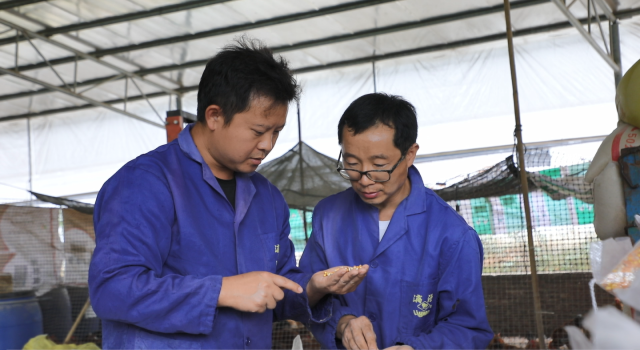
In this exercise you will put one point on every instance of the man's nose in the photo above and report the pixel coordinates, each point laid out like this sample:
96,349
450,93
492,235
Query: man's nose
365,181
266,142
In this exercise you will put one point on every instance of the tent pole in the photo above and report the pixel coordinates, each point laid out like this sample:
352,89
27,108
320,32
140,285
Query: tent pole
615,49
304,211
29,155
524,181
304,223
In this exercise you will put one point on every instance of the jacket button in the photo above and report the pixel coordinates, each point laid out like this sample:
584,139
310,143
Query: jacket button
247,342
374,264
372,317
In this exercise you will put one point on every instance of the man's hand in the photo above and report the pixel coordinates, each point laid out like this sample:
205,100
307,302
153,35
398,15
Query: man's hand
336,280
254,291
356,333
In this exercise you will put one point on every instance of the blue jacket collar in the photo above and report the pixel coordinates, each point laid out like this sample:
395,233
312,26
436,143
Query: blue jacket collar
188,146
415,203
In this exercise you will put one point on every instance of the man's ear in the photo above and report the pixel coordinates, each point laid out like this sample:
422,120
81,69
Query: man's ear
411,154
213,117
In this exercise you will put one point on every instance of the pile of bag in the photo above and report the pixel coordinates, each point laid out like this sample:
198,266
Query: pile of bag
609,204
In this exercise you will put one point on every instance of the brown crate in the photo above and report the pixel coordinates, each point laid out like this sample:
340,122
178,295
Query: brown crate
6,283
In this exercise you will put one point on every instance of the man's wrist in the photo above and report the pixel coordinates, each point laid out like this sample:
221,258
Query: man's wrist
224,297
314,294
342,324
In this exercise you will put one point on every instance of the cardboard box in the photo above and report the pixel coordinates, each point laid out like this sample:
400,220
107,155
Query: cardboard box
6,283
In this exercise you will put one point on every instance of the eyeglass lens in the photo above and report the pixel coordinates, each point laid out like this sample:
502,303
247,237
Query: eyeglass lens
372,175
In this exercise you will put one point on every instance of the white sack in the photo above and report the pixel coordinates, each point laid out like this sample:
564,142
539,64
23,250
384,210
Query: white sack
624,136
609,206
609,328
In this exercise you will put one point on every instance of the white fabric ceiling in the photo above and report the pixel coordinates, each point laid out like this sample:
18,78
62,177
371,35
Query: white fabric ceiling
463,95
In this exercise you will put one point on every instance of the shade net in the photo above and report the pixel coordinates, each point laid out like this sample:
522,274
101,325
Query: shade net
48,250
304,176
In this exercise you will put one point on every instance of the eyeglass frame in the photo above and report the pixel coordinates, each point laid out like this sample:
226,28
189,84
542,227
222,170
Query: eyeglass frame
366,173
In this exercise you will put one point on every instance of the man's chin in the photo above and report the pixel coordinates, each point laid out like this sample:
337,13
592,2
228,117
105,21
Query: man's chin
247,168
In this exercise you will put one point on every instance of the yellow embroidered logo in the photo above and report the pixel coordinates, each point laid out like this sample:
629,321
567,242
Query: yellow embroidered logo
277,248
423,307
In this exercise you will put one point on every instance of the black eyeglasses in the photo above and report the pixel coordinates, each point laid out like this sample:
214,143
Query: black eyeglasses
373,175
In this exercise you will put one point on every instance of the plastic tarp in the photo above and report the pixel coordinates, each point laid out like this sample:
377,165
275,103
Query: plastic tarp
566,89
84,208
504,179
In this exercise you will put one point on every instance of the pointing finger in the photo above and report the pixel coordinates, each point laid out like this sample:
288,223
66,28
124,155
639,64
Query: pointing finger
286,283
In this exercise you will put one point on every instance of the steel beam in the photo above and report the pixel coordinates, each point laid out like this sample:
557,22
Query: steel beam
5,5
474,152
384,30
408,26
163,10
86,106
78,53
457,44
368,59
78,96
242,27
301,45
325,41
605,8
214,32
578,25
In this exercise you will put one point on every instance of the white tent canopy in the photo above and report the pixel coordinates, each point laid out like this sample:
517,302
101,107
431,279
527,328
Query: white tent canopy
448,58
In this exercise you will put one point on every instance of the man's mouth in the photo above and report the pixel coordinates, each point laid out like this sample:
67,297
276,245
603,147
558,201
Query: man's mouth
255,161
370,195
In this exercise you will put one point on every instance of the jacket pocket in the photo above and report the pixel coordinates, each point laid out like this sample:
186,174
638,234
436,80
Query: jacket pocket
418,306
271,250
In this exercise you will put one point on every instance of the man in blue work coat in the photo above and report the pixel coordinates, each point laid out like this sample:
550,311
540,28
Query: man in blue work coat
423,289
192,247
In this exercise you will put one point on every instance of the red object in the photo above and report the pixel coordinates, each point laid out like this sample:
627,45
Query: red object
174,126
175,123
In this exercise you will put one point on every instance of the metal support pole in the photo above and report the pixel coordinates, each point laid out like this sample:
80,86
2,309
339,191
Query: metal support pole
304,223
615,49
30,160
304,215
373,67
605,8
604,41
17,51
576,23
524,181
75,75
589,16
45,60
126,92
148,102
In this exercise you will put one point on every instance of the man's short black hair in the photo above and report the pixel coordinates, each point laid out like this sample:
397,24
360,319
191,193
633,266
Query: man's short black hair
241,71
393,111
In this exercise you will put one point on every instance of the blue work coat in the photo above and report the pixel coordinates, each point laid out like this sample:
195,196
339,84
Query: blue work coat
166,235
423,288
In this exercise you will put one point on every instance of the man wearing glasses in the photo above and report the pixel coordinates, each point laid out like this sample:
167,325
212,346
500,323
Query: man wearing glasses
424,288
